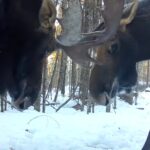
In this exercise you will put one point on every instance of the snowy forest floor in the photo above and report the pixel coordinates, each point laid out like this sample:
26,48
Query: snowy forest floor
126,128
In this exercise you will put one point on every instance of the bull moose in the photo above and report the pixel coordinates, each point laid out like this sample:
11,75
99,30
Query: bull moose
27,34
121,53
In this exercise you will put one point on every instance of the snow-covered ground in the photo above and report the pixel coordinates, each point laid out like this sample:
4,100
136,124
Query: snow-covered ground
123,129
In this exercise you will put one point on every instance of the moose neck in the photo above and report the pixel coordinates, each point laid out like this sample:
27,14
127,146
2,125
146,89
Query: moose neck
143,53
139,29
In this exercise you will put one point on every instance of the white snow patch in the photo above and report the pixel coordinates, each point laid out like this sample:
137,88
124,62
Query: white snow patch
123,129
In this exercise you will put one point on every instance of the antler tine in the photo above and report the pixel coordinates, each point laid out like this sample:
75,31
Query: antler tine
47,15
133,7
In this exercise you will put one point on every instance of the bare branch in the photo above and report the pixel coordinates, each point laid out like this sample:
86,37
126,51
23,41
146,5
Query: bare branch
67,100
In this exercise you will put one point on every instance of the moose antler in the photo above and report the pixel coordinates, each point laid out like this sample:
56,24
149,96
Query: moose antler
72,41
79,51
71,23
131,9
112,14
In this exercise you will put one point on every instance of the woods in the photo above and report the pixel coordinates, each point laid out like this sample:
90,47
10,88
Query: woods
75,57
60,71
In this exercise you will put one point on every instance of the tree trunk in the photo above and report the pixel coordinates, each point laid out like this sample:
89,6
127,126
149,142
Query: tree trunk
2,103
147,78
52,76
59,79
3,99
89,13
73,77
63,73
44,85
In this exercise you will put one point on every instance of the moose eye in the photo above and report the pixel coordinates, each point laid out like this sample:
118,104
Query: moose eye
114,48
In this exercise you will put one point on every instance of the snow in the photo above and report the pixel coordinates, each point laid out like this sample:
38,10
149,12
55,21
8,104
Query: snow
125,128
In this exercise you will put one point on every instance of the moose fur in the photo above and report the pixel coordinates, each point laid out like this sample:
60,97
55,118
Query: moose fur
22,49
128,47
102,76
133,45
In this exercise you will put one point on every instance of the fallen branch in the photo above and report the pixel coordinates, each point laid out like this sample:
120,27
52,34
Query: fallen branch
52,104
71,96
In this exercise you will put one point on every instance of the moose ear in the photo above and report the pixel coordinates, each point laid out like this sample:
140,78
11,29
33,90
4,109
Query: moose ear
128,14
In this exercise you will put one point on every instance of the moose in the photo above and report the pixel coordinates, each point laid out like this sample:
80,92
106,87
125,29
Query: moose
27,34
23,45
121,53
